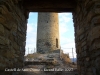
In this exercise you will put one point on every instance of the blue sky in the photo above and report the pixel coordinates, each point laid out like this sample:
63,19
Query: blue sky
66,30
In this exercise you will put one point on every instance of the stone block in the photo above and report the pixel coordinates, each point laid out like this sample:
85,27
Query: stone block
97,53
87,64
85,48
22,49
2,65
19,28
94,33
14,27
14,33
23,30
80,31
85,53
8,23
24,43
89,69
1,29
2,19
97,10
89,73
89,17
3,9
7,20
83,43
95,44
15,45
4,41
87,59
82,36
95,20
9,54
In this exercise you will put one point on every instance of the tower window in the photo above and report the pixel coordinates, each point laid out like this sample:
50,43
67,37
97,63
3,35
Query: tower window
57,43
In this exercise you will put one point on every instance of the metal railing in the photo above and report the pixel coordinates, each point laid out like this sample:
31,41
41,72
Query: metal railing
70,51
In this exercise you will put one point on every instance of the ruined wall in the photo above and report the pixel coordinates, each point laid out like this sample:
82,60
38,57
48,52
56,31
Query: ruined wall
12,34
87,36
47,32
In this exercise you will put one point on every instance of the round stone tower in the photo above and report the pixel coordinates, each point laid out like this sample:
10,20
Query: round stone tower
47,32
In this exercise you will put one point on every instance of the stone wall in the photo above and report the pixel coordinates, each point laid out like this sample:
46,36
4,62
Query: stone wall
86,19
13,26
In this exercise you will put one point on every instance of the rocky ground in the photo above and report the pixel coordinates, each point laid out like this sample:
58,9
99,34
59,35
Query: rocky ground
41,70
57,66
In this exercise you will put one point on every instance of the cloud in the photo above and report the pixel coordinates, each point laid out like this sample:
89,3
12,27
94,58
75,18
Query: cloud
64,17
31,37
65,40
63,28
29,28
64,14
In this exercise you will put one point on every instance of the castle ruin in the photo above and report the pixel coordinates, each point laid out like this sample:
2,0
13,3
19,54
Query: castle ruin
47,32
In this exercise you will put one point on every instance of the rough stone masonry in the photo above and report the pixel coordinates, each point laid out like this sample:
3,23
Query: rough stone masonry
86,17
13,25
47,32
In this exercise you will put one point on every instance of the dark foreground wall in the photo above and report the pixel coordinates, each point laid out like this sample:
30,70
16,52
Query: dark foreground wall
13,26
87,36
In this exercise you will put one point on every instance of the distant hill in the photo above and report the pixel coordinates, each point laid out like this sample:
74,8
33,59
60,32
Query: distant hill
75,59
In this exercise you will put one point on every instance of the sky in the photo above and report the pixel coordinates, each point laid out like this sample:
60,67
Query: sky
66,31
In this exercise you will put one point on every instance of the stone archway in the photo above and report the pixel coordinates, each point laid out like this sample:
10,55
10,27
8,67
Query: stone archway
13,25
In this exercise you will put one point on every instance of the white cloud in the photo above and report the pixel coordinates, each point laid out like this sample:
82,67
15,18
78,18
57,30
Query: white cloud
64,17
64,14
69,45
31,37
63,22
65,40
63,28
31,28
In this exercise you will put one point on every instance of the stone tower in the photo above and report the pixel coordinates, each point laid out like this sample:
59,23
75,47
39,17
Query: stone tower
47,32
